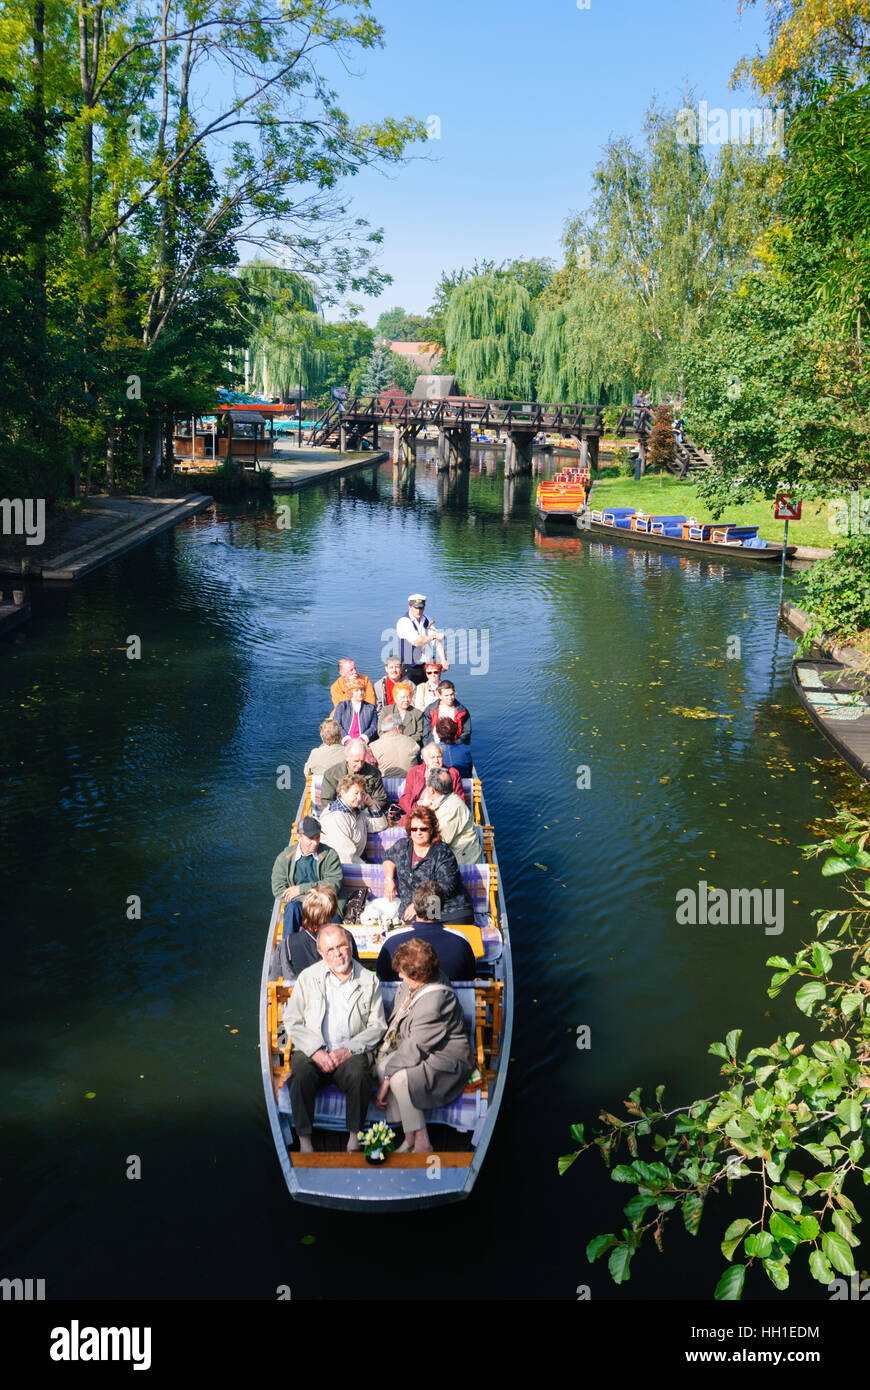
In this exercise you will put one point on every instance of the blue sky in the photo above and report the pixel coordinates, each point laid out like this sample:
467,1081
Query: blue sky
527,95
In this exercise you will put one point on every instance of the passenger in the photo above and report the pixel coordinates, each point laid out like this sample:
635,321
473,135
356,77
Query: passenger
453,947
328,753
427,691
340,688
419,856
334,1015
302,865
433,756
455,821
297,950
357,716
417,636
347,822
384,687
355,764
447,707
453,753
412,719
394,751
425,1059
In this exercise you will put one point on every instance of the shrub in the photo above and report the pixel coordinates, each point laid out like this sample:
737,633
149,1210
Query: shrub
661,449
836,591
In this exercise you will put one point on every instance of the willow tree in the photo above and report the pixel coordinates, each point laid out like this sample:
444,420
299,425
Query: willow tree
286,347
668,233
488,333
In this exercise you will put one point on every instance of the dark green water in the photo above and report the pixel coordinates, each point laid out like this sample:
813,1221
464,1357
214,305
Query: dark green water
157,778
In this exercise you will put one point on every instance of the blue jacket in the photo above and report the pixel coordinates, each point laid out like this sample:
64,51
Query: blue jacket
458,755
368,718
454,952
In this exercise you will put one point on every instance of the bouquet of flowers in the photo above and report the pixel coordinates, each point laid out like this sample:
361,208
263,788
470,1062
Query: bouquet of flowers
377,1141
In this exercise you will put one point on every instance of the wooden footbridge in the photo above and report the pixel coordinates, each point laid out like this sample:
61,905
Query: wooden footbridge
688,458
346,424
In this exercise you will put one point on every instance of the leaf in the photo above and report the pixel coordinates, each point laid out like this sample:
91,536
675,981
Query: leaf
732,1039
541,866
849,1111
307,1240
843,1226
808,995
577,1134
759,1244
693,1206
809,1227
784,1200
820,1268
822,958
734,1234
730,1286
623,1173
818,1151
777,1271
635,1209
564,1163
838,1252
597,1245
835,864
619,1262
783,1228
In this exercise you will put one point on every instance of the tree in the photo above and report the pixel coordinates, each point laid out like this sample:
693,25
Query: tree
488,332
808,38
286,348
790,1124
385,368
661,448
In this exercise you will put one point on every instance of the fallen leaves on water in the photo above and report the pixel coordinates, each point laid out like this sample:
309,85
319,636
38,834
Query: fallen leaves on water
540,866
307,1240
697,712
90,1095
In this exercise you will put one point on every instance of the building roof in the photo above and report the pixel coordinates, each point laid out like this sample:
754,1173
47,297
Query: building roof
428,387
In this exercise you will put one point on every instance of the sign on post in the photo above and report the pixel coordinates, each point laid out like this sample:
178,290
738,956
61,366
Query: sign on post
786,509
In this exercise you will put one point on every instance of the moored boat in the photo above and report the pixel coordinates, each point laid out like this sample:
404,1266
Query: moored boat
461,1132
678,532
837,699
562,497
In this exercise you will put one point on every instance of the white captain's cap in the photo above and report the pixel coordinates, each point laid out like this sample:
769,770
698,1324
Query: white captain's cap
416,598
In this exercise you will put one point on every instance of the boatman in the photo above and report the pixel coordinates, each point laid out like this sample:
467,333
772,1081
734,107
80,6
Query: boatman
417,637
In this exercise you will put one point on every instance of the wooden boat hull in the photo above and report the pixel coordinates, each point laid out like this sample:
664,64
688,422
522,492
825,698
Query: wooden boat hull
721,552
840,709
405,1181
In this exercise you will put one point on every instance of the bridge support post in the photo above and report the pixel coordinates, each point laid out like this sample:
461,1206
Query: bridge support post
454,446
404,444
519,447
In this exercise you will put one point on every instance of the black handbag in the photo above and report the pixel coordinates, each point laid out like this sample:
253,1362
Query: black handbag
355,904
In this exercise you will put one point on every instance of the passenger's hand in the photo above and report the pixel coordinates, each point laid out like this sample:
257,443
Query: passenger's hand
323,1059
390,889
383,1092
341,1054
290,893
408,914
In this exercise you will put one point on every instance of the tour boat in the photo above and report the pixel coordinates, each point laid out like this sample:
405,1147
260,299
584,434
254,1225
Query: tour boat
460,1132
677,532
562,497
837,699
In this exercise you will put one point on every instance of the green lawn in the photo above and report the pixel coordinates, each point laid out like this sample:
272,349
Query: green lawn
663,494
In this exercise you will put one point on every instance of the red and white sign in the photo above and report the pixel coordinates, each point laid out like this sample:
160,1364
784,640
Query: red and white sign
786,508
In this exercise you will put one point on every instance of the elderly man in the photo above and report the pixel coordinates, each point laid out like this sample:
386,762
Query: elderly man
355,765
346,824
334,1019
302,865
330,752
417,636
341,688
454,818
411,719
452,947
416,779
396,753
384,687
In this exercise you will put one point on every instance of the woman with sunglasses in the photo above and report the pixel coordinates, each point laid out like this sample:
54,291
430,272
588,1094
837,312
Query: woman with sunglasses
420,856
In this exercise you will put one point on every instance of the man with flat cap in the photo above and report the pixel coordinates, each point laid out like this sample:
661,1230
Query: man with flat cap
302,865
417,636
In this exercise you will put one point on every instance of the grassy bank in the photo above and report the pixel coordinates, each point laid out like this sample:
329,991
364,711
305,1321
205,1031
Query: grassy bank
666,495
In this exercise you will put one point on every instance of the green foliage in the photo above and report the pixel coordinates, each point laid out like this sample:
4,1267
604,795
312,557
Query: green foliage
489,337
384,369
622,459
398,327
792,1120
836,592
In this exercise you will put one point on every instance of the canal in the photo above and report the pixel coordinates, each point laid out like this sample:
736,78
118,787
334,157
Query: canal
636,734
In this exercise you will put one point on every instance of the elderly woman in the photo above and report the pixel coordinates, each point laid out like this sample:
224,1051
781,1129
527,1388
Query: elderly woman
356,717
425,1059
420,856
412,719
427,690
345,825
297,950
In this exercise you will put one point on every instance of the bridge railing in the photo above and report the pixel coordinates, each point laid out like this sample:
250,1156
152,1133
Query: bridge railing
447,410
